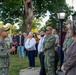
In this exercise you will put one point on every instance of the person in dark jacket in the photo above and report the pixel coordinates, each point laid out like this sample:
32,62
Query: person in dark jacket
20,41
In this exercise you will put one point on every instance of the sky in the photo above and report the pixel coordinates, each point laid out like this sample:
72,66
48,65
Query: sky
45,19
71,3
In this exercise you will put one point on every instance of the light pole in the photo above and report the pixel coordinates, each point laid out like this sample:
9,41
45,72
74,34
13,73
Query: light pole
61,16
74,22
74,18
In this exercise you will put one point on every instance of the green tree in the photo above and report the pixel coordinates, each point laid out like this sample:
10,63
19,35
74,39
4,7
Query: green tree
53,23
12,9
36,23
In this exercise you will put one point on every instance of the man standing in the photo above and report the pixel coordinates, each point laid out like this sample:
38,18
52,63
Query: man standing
48,47
4,52
54,32
41,53
20,40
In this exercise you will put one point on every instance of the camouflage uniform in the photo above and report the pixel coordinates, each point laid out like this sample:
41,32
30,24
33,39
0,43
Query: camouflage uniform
67,42
49,46
4,58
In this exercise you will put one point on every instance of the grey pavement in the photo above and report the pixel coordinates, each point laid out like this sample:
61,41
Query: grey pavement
33,72
30,71
60,73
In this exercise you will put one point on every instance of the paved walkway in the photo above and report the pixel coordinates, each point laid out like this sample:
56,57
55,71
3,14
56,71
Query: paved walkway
33,72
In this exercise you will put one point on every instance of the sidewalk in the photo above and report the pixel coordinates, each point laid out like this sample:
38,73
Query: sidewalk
30,71
33,72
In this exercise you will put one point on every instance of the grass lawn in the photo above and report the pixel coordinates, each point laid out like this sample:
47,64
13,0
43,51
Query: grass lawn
16,64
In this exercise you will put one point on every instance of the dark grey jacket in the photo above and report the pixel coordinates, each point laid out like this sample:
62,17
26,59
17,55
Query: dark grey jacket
70,60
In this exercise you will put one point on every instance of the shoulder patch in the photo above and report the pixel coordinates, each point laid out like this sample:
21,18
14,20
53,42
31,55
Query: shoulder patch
52,36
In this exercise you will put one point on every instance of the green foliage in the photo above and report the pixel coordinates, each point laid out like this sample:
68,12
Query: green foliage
53,8
53,23
12,9
36,23
40,7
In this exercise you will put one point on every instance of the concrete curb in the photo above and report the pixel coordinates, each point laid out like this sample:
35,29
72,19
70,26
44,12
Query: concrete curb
30,71
34,72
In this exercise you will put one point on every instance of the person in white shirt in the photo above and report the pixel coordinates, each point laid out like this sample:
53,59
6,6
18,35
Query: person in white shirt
25,39
41,53
30,47
20,45
8,38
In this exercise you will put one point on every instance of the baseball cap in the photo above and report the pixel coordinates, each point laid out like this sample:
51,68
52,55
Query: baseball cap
4,29
49,28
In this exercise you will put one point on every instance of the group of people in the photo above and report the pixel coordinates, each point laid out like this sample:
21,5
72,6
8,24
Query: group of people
69,48
18,41
46,52
50,51
17,44
48,46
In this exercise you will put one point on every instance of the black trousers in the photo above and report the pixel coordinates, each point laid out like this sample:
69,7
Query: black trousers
31,58
42,70
36,51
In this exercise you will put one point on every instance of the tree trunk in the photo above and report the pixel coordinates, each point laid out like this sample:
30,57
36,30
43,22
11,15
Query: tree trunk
26,27
27,16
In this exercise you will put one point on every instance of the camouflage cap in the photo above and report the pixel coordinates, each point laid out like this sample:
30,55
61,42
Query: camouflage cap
4,29
49,28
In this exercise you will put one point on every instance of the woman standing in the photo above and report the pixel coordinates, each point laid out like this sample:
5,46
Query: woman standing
37,41
69,65
30,47
14,43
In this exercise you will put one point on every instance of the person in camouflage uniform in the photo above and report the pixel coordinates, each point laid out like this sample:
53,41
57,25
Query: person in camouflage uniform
4,52
48,47
67,42
68,38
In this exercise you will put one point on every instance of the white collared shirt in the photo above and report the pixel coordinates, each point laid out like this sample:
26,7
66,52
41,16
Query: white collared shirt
40,45
30,43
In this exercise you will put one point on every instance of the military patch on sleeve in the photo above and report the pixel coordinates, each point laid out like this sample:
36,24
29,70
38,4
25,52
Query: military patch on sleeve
51,37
